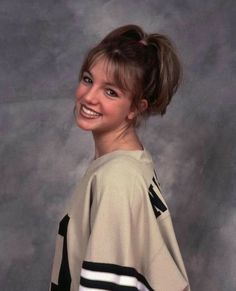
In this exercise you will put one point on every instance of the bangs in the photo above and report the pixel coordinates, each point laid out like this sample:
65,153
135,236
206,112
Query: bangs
118,71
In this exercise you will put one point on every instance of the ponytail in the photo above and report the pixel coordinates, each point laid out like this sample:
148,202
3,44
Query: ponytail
165,72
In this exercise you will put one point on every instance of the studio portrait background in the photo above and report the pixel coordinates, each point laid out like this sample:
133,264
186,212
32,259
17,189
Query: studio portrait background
43,152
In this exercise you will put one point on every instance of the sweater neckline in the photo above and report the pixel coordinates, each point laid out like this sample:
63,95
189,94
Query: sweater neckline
137,154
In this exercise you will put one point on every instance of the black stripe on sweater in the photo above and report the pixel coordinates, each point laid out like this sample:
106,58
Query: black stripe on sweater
111,269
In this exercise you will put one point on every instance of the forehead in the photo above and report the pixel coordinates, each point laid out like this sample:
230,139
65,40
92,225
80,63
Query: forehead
103,68
113,72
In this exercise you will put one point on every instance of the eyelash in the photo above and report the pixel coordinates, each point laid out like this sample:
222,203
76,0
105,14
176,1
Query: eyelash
87,80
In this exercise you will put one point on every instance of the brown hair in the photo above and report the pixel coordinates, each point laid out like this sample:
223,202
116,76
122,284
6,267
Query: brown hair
144,64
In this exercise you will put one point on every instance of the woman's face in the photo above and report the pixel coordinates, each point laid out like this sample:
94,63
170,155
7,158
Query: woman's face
100,105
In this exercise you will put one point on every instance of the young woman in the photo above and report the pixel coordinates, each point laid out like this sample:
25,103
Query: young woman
117,233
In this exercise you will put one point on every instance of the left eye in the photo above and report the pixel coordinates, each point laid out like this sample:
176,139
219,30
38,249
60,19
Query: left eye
111,92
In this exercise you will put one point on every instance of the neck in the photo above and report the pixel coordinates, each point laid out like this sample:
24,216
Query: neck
109,142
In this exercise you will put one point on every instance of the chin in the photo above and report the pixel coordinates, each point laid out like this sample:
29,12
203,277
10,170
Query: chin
83,126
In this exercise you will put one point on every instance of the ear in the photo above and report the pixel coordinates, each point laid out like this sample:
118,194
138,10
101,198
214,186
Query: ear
143,105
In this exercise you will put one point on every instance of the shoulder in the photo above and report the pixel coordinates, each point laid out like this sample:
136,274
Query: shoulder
121,166
119,176
124,169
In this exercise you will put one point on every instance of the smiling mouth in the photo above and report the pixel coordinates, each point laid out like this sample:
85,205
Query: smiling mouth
85,111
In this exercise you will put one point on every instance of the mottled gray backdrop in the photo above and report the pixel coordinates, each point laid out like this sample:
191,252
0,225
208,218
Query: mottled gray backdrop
43,152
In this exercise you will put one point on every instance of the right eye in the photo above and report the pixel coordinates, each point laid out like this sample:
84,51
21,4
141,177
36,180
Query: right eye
87,80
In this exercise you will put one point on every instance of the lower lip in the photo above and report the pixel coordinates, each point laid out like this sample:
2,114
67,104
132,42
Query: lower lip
87,115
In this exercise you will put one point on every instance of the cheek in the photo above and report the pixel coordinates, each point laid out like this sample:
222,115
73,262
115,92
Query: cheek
119,109
80,91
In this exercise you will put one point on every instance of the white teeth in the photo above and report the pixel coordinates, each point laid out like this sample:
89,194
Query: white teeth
88,111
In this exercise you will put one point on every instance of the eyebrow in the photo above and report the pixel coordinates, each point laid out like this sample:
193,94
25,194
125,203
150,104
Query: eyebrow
106,83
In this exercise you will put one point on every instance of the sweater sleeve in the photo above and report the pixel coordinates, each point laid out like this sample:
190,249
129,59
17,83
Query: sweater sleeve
125,239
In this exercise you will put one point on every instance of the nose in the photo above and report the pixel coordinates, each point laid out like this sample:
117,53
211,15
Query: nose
91,95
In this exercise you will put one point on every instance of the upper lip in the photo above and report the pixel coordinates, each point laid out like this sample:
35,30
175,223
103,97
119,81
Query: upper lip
90,108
